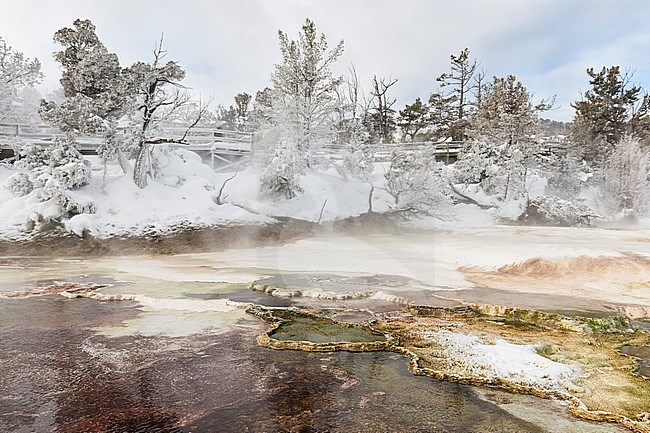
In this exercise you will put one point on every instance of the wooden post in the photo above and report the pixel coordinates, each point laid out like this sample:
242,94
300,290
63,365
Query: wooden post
212,155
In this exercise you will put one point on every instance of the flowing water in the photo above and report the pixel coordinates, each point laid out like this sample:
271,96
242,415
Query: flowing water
181,357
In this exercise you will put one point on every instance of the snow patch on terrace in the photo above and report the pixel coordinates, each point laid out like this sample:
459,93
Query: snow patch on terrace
520,364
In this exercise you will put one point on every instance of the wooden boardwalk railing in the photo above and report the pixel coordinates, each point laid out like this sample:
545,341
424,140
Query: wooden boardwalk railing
225,148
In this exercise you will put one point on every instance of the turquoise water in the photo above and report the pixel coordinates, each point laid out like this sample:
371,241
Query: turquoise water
323,331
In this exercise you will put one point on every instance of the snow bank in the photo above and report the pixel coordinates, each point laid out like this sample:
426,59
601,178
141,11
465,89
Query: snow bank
520,364
335,197
184,196
18,214
124,209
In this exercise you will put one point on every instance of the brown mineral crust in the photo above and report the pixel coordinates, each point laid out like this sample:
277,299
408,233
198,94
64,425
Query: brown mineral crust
607,389
56,288
307,346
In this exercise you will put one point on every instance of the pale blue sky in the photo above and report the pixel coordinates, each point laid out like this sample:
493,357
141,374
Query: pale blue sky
228,47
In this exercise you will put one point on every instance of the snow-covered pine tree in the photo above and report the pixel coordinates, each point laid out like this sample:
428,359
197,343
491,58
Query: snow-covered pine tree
236,117
502,147
459,81
96,92
303,102
413,118
281,179
607,111
442,117
460,84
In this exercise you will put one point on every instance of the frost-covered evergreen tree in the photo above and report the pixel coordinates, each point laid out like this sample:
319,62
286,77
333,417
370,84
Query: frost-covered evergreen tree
607,111
413,118
236,117
92,80
459,82
627,177
442,116
415,180
281,179
96,92
459,85
303,105
17,73
502,147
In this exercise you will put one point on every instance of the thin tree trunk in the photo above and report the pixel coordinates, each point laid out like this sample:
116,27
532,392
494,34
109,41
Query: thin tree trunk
370,195
140,168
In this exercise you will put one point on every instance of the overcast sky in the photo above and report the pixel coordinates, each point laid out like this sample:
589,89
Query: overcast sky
230,46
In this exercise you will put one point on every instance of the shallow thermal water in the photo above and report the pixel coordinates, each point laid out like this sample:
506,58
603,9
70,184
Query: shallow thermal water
308,329
60,375
643,354
184,357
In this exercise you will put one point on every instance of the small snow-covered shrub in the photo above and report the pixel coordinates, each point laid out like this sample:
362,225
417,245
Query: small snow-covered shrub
75,205
475,161
19,184
50,174
281,178
415,181
555,211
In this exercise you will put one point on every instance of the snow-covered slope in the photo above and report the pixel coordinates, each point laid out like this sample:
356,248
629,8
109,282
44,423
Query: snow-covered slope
189,194
185,196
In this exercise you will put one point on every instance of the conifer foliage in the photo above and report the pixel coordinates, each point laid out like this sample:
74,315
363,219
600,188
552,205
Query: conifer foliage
301,116
92,80
612,108
502,147
413,118
50,173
